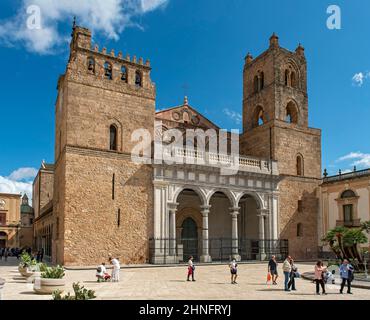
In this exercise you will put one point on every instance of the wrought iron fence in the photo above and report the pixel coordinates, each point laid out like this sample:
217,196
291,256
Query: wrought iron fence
169,251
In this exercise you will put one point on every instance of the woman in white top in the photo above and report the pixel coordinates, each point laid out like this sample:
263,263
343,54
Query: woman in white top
116,269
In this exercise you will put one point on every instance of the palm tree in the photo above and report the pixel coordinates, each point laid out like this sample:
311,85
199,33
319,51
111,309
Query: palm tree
331,240
351,240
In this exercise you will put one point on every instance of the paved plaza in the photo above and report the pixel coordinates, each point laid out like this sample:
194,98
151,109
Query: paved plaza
168,283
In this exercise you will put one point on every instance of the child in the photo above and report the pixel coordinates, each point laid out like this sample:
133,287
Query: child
234,271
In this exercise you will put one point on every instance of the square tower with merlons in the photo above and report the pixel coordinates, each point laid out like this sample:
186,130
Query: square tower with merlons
275,126
103,201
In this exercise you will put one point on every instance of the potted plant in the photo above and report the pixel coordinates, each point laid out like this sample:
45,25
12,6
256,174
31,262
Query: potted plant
27,264
80,293
52,279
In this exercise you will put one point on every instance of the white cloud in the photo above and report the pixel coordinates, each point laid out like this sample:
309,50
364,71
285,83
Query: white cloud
234,116
108,17
359,159
23,174
19,181
359,78
150,5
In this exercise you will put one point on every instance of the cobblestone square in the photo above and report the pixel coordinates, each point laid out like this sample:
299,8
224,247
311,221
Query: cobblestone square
169,283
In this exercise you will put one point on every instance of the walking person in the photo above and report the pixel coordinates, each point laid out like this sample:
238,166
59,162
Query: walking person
287,269
191,269
6,253
116,269
320,271
346,273
292,276
272,269
1,253
234,271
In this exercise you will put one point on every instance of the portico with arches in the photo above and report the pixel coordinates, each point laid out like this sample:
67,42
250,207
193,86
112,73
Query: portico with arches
213,217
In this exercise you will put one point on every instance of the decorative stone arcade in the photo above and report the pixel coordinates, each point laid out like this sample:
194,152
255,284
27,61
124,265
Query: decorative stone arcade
256,181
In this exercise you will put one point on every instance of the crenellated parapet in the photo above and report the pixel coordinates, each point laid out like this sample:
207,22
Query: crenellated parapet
90,64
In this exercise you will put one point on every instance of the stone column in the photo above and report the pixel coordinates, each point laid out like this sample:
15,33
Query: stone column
172,208
261,217
234,234
205,257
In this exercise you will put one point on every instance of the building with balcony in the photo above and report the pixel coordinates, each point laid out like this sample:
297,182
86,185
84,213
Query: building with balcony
344,201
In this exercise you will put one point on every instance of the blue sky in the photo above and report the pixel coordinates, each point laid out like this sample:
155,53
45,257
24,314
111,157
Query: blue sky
197,44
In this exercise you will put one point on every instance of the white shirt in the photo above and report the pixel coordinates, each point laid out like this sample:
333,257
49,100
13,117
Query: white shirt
103,270
190,263
116,265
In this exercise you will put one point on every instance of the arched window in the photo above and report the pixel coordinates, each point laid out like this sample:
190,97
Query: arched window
108,71
91,64
124,74
286,79
300,165
138,79
293,80
113,138
259,117
348,194
255,84
291,113
262,80
299,230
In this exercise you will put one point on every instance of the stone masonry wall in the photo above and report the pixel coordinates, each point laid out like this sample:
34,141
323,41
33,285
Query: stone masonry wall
91,215
291,191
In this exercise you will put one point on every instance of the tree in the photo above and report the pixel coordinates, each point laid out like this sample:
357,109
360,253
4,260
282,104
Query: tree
345,243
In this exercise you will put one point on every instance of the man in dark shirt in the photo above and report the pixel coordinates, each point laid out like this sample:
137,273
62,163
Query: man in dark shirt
272,268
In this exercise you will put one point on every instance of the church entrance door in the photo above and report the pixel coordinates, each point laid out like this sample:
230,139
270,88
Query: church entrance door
189,238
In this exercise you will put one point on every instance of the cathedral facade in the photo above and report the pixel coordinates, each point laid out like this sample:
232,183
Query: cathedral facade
100,202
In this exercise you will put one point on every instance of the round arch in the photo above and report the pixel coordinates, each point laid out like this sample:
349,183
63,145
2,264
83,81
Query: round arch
3,234
292,112
201,194
258,114
226,192
255,196
348,194
188,212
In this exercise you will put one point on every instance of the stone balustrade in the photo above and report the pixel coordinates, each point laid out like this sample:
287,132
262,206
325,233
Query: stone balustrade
193,156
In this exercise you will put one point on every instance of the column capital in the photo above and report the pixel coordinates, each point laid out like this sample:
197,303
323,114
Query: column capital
172,207
205,209
263,212
234,211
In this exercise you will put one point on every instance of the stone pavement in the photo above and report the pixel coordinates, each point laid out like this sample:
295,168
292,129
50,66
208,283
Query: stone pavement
158,283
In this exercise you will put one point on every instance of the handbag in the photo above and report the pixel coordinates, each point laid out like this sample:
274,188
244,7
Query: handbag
269,277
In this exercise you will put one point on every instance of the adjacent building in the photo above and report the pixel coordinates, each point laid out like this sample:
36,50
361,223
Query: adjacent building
26,230
344,201
10,216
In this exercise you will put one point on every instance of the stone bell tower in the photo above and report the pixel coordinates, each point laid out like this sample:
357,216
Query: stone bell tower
102,200
275,126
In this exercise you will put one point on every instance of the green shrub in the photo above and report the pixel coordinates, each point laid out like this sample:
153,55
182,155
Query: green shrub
80,293
53,273
27,260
